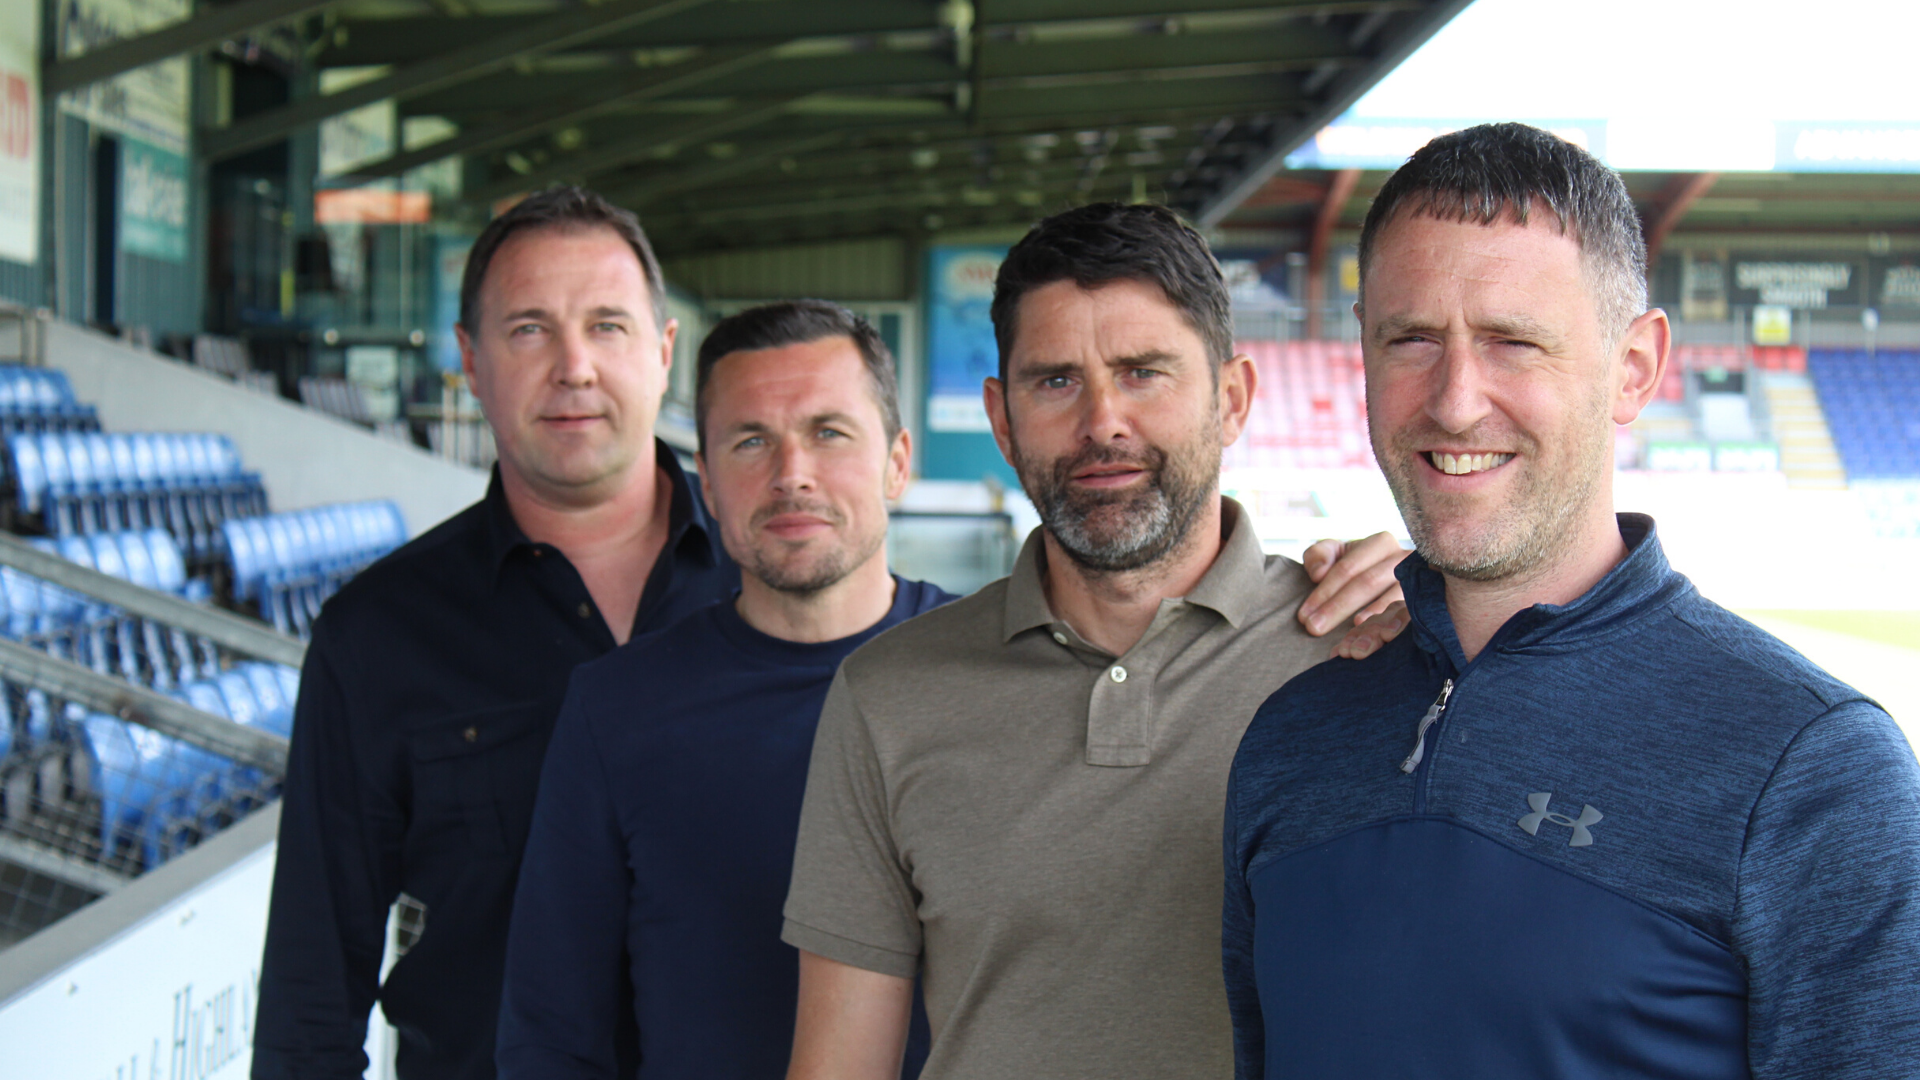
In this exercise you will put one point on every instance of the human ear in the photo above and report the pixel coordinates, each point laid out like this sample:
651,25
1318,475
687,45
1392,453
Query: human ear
1645,351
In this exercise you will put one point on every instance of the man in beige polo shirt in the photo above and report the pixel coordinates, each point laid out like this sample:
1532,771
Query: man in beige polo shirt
1018,797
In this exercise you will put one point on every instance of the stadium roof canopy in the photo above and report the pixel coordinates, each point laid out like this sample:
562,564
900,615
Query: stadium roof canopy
736,122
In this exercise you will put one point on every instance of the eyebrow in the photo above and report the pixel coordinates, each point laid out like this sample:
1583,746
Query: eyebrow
1150,358
1513,326
603,312
754,427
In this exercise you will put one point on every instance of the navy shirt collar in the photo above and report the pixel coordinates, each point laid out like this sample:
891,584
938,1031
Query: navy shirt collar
1639,585
690,532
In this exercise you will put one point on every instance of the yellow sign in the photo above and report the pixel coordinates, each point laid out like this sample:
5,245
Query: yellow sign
1772,324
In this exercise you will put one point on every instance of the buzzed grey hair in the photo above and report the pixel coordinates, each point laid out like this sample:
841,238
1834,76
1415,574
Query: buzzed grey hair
1496,172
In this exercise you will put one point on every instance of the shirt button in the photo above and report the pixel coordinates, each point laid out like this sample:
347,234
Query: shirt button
539,552
472,734
1059,637
586,609
1117,673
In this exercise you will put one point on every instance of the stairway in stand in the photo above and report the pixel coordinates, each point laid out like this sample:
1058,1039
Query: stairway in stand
1807,454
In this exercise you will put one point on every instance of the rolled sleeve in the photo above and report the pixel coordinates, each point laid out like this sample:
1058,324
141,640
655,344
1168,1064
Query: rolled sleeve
852,898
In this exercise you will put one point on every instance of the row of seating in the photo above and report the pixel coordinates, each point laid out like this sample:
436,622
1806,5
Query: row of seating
1872,405
186,483
34,399
158,794
288,564
79,628
336,396
1791,358
1309,408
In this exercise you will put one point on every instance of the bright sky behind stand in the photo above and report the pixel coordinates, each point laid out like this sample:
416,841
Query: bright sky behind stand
1681,59
1666,84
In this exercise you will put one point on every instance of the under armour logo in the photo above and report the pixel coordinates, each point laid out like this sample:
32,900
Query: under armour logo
1539,800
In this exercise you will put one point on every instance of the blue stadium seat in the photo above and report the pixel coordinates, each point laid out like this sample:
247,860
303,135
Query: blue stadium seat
288,564
1872,405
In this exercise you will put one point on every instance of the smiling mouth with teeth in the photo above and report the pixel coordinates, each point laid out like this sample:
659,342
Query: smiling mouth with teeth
1462,464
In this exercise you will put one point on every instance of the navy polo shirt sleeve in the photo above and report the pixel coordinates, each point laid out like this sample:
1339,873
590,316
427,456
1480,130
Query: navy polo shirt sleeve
1236,954
335,875
1829,922
568,932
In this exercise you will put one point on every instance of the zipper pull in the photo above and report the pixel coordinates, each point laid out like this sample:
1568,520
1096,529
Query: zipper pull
1420,739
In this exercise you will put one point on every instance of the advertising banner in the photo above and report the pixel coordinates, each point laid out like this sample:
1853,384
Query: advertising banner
961,352
20,130
170,999
153,202
148,103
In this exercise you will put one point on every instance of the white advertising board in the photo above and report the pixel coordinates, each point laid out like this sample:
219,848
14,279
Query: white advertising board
20,130
171,998
149,103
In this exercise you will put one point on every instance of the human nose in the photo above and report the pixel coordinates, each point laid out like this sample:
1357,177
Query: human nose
573,364
792,468
1104,412
1457,396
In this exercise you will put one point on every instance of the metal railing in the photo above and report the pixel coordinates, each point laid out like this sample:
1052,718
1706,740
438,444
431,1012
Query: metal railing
136,724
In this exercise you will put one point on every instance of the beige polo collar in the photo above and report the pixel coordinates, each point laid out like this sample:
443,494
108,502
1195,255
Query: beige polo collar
1230,587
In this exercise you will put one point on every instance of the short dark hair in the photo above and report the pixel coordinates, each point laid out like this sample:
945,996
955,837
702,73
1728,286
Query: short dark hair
1106,242
796,322
563,207
1493,172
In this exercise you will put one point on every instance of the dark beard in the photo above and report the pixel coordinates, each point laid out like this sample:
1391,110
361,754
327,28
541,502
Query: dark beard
1116,532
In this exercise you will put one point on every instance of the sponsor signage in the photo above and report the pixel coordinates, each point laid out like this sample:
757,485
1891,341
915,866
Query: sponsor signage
371,206
961,351
170,999
153,202
1795,284
20,130
149,103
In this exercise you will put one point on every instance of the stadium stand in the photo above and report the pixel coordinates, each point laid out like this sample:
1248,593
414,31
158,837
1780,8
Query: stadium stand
1309,410
1872,405
138,721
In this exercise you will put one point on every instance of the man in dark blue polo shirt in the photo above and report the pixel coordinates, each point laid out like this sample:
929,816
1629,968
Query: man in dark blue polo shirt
663,837
434,678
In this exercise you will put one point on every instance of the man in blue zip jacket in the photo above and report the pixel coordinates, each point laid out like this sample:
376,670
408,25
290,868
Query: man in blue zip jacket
663,835
1580,822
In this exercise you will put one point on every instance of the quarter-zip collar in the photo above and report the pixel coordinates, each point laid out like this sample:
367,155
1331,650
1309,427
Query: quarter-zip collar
1641,585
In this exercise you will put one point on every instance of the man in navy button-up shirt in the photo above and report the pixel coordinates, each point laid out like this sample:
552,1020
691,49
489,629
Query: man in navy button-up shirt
433,679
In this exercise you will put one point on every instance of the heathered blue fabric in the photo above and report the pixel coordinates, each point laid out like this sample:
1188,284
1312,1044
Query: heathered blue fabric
1749,904
661,848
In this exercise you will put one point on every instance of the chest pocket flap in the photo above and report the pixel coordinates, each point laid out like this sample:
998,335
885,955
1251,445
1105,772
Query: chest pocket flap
478,771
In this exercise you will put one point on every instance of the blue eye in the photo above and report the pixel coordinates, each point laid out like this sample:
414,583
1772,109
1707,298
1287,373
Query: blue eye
1055,382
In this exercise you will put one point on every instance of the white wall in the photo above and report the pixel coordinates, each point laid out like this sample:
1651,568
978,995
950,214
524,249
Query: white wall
306,457
156,979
